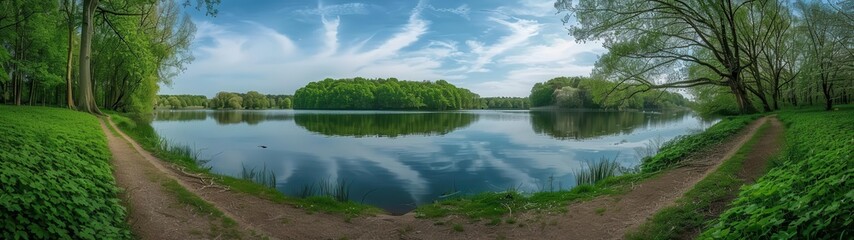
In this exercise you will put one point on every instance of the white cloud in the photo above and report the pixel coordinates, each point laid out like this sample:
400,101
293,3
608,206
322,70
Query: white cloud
336,9
532,8
520,31
264,59
463,10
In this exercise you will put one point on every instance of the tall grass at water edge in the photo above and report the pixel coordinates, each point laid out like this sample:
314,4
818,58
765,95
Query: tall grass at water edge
263,176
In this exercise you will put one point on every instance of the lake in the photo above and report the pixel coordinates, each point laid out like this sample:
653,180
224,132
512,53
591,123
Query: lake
398,160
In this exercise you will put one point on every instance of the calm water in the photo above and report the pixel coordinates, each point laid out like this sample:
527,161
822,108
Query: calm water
402,159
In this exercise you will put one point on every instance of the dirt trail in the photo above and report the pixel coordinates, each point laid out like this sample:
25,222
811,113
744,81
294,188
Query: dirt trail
283,221
754,165
154,213
610,217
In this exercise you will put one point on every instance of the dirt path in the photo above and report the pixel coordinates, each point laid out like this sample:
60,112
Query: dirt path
154,212
283,221
610,217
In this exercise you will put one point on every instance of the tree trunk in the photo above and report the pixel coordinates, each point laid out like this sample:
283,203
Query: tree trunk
69,98
741,97
85,96
828,99
32,91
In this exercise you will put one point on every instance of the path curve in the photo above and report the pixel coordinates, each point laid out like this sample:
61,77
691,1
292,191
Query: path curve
622,212
153,211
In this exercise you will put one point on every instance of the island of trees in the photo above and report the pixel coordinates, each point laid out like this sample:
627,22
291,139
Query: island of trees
386,94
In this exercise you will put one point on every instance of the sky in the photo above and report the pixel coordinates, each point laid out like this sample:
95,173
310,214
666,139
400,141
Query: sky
492,47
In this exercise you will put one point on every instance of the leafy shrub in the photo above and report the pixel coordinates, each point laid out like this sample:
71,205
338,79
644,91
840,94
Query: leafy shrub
55,177
807,197
678,148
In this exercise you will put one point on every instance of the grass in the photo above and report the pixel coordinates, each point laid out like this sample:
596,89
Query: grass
227,227
265,177
597,171
491,205
675,150
689,212
55,177
809,195
260,186
599,178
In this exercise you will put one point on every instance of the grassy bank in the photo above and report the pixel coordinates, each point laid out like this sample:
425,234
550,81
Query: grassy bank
677,149
690,210
55,177
187,157
808,193
492,205
496,205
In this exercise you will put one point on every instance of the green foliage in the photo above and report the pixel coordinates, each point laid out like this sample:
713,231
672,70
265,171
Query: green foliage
263,176
490,205
56,180
715,100
597,171
808,196
181,101
504,103
591,93
689,212
386,94
675,150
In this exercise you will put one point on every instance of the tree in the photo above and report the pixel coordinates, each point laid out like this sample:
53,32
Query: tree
830,52
85,96
651,41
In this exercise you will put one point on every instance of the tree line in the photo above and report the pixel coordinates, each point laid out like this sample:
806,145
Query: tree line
86,54
505,103
383,94
226,100
747,55
590,93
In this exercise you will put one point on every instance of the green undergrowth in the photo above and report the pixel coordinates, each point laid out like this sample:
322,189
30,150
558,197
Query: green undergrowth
137,128
55,177
493,205
808,194
691,210
680,147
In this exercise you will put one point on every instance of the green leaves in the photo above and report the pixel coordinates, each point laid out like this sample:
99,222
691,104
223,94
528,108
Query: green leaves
55,178
360,93
807,197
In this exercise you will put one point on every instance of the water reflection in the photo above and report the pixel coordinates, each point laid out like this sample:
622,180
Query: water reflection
579,125
408,158
251,117
384,124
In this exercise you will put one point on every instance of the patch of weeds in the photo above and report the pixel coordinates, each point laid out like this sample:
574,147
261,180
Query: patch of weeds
600,211
458,228
494,222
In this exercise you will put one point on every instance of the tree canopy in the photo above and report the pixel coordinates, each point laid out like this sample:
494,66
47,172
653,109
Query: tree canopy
742,46
388,94
589,93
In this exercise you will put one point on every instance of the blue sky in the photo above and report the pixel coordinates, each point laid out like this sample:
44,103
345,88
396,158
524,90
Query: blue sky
492,47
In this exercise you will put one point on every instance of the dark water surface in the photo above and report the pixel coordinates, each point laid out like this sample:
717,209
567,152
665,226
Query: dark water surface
402,159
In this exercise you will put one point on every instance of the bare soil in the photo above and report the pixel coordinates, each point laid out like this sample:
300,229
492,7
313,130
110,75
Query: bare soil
607,217
154,213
